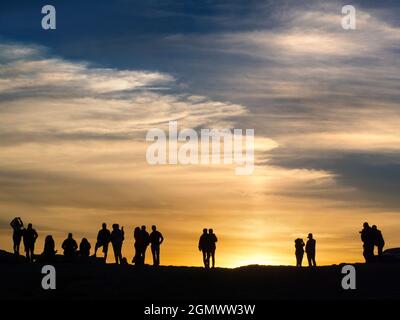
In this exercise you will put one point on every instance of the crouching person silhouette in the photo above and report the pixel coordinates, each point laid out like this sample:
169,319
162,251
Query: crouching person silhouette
49,252
69,246
84,248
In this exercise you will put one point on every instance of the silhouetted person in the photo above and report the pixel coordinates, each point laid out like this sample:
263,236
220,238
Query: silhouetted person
103,240
378,239
49,251
367,237
29,236
17,226
299,245
204,247
138,245
69,246
144,242
155,239
117,237
84,248
212,240
310,250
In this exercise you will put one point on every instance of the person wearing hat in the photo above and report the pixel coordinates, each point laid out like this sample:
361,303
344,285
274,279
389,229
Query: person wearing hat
310,250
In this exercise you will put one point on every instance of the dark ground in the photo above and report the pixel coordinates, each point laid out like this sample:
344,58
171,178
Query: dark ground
95,280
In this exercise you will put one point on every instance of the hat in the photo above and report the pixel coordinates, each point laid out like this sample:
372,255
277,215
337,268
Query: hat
309,236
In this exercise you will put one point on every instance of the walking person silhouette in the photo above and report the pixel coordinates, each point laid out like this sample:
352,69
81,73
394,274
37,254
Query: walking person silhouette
103,240
117,238
17,226
299,245
212,238
155,238
29,237
310,250
204,247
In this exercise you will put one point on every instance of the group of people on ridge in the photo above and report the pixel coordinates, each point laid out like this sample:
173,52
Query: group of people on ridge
142,240
371,238
104,237
310,251
116,237
207,245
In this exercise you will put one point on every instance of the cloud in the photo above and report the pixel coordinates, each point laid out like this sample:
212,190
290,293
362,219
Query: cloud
92,103
321,93
28,68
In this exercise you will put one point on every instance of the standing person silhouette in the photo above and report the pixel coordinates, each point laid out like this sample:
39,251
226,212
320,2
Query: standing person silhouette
378,239
84,248
156,238
17,226
310,250
299,245
144,240
204,247
117,237
367,237
103,240
29,236
138,246
69,246
212,245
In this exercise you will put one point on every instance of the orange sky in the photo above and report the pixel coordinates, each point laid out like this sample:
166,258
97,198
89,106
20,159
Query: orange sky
256,218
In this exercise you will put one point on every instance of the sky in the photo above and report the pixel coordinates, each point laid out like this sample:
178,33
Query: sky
76,104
